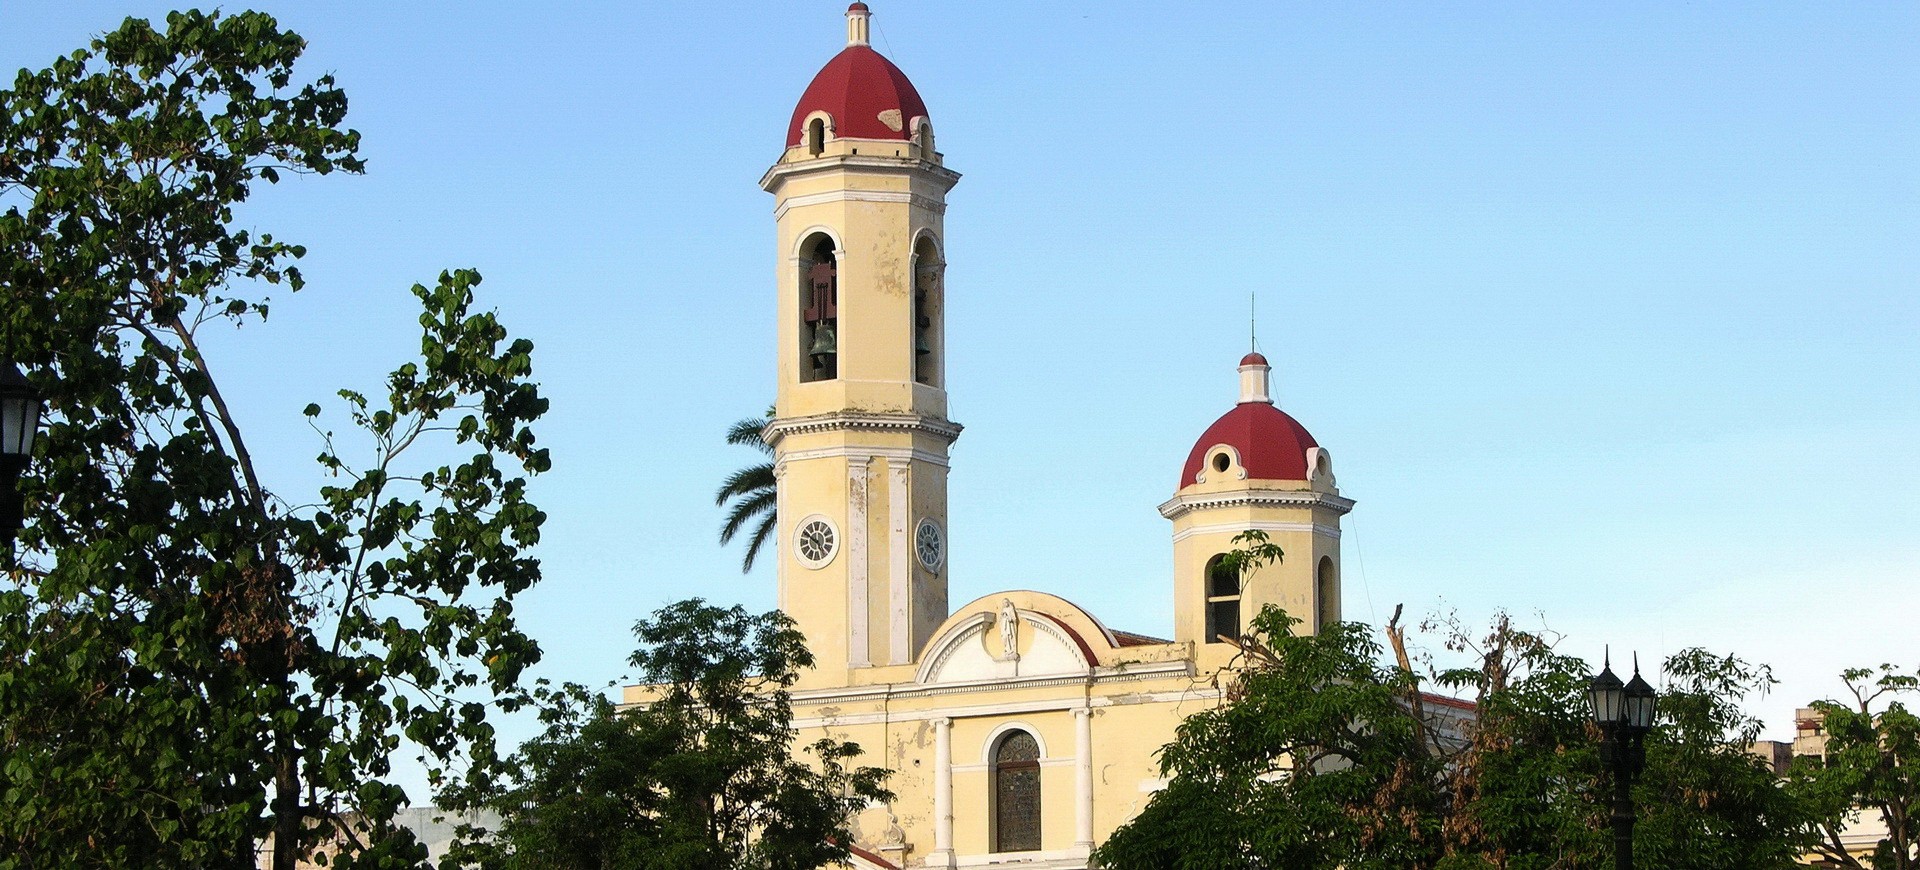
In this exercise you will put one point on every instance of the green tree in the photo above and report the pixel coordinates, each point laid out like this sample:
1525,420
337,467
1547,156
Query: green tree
754,492
1321,756
1870,770
703,775
192,661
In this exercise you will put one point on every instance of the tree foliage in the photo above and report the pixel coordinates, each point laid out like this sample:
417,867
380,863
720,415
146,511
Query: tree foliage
1870,771
190,659
702,775
1321,756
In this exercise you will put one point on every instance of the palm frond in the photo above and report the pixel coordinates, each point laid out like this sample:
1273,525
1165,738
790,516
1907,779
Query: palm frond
760,535
744,511
750,493
747,431
745,482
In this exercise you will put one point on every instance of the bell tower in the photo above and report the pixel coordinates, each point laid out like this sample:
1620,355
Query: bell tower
860,430
1255,469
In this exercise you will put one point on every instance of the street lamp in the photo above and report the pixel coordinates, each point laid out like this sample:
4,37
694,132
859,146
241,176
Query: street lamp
19,421
1625,715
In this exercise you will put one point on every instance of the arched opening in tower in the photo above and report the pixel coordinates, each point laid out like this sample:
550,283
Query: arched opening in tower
928,332
816,137
819,311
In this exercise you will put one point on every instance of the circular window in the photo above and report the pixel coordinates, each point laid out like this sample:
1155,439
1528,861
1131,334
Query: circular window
815,540
1221,461
929,544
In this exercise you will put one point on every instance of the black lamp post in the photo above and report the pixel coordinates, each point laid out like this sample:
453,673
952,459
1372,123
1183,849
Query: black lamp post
19,421
1625,715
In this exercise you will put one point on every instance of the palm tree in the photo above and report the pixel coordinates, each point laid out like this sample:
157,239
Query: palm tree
751,490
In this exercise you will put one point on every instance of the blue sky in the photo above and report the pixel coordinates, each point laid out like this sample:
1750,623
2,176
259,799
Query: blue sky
1610,313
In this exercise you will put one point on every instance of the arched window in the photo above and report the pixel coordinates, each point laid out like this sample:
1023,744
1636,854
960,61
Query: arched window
928,337
923,137
1223,600
816,136
819,311
1016,793
1327,588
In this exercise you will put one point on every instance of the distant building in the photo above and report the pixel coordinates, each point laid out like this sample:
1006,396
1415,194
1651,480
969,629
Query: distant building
433,827
1864,830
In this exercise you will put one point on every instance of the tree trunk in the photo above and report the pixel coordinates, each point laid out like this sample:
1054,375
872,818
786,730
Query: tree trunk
286,806
1398,637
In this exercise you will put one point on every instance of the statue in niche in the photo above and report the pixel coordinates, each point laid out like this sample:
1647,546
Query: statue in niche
1009,630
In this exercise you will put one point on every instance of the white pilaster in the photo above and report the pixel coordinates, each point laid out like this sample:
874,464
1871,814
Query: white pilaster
1083,778
899,567
780,538
942,855
857,614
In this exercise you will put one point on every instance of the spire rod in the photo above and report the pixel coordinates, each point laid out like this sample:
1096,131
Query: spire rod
1253,321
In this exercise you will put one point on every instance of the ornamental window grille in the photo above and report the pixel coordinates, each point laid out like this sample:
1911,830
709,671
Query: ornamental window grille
1223,600
1016,793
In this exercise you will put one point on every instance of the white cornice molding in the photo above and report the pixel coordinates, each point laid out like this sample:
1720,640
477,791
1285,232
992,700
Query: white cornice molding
1230,529
1123,673
1179,505
826,196
853,453
842,697
936,173
845,420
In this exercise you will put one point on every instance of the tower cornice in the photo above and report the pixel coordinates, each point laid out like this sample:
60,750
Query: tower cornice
780,172
1181,505
932,204
853,420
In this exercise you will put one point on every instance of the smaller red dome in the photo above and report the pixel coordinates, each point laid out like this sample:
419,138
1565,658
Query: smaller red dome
857,7
1271,444
865,94
1253,359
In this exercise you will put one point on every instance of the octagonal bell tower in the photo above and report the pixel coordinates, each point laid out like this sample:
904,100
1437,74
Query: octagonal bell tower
860,430
1256,468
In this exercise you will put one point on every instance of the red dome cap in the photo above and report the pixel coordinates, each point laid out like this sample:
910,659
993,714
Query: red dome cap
1253,359
856,88
1271,444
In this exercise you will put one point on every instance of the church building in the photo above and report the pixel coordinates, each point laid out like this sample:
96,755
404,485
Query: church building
1020,729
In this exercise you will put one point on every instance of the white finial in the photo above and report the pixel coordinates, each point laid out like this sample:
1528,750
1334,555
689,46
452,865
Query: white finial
857,24
1254,373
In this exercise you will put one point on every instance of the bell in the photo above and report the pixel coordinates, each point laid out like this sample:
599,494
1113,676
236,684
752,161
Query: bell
920,344
823,341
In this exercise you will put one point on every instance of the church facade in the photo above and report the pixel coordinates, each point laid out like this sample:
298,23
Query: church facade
1020,729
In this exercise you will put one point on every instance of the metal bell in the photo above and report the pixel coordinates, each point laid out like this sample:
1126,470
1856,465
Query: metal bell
824,343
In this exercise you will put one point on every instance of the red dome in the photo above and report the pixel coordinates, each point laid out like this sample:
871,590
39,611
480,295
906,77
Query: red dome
1272,445
1253,359
856,88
